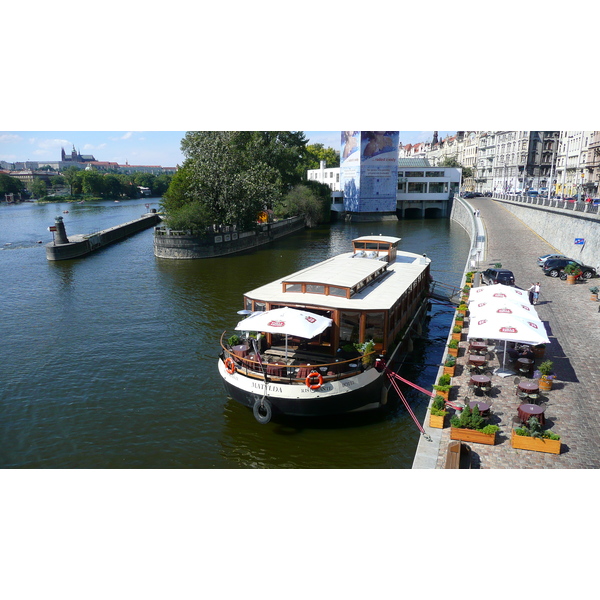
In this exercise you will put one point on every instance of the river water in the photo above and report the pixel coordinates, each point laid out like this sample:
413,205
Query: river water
109,361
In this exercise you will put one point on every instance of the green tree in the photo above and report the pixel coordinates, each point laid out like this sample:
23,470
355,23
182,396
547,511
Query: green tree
92,183
222,173
39,189
317,152
10,185
72,176
306,201
452,161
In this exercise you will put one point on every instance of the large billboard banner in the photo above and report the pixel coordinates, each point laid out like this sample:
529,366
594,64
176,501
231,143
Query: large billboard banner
369,170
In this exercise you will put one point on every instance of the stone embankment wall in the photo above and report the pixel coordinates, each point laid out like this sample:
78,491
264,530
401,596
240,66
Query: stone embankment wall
180,245
560,224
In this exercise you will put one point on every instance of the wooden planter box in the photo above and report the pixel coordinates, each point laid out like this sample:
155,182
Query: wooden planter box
436,422
545,384
457,336
453,351
449,371
444,395
522,442
470,435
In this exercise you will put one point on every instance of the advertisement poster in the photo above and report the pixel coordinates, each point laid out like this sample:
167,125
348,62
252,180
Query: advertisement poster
369,170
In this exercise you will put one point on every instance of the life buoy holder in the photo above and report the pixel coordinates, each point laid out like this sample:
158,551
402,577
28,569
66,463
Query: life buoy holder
229,365
262,411
310,380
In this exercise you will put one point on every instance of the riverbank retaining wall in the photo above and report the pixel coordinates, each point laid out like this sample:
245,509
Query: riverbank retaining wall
180,245
80,245
560,224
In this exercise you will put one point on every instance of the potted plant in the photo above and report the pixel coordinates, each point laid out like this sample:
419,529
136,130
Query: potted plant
462,308
459,319
572,271
547,375
453,347
234,340
437,412
471,427
533,437
456,333
443,386
367,349
594,292
449,365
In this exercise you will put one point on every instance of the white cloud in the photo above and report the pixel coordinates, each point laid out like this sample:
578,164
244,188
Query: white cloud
9,138
96,147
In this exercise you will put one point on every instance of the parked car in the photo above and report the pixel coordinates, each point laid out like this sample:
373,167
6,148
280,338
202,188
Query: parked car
545,257
555,266
493,276
532,193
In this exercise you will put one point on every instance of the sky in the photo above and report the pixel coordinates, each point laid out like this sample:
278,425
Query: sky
161,148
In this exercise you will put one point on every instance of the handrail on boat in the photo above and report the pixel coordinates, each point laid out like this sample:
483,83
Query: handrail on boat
300,366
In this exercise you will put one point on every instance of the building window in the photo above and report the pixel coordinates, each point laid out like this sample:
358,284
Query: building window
416,188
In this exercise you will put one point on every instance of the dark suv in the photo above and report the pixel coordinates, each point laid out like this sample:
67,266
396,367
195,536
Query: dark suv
555,266
492,276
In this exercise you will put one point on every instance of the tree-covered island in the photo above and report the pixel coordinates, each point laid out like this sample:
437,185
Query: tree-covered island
231,177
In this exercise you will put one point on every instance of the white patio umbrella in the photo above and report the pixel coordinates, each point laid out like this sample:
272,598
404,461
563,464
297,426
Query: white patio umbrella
502,306
498,291
507,327
290,321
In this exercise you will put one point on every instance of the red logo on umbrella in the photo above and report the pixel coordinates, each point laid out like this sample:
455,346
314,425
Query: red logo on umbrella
508,330
533,325
499,295
311,319
482,322
504,310
276,323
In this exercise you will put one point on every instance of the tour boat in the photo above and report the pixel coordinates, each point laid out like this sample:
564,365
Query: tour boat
356,312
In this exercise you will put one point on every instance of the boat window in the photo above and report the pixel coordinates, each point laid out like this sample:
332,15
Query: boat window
349,327
371,245
312,288
293,287
260,306
337,291
247,304
374,327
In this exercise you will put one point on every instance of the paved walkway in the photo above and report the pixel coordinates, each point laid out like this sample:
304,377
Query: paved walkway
571,320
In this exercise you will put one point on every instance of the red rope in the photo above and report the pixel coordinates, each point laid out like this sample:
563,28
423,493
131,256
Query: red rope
392,374
408,408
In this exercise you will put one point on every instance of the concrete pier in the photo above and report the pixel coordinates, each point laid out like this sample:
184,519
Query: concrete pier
64,248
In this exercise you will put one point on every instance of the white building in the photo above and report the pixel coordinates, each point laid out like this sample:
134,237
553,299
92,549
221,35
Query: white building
330,176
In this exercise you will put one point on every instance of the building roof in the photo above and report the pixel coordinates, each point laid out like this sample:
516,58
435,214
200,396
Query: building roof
413,162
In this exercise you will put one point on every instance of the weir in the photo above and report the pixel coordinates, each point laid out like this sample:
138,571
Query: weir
74,246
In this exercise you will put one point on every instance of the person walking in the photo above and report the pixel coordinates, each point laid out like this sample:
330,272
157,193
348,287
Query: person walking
536,292
530,290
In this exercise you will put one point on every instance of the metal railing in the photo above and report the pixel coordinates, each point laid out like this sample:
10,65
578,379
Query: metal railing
575,206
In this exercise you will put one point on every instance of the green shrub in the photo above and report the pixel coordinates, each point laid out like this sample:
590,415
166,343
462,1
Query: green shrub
444,379
457,329
453,344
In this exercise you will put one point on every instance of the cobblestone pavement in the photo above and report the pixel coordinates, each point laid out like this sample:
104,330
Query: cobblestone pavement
571,320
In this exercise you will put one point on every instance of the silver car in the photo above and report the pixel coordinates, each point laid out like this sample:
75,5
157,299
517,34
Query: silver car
545,257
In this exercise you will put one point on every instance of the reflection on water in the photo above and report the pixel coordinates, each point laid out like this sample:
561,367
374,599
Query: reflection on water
110,359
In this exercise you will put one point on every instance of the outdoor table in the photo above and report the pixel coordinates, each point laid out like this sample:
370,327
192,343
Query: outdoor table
483,407
277,369
529,387
525,364
480,380
476,360
240,350
477,347
526,411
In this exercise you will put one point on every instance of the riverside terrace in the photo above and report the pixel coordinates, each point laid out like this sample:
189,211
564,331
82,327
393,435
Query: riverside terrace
571,321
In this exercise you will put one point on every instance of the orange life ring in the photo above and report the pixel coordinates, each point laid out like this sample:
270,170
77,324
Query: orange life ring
312,375
229,365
